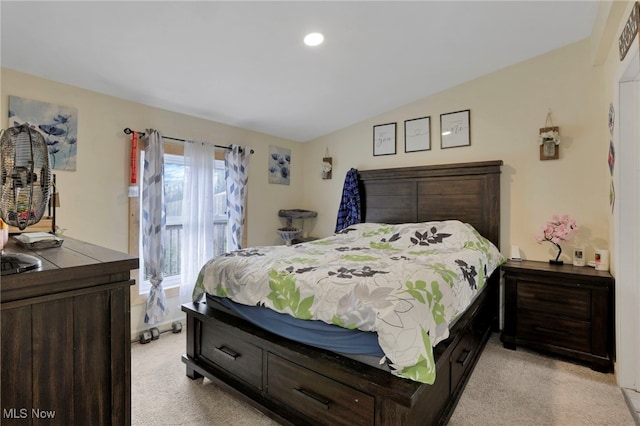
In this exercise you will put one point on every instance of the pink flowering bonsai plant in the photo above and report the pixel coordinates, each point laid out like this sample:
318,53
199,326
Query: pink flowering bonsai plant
559,228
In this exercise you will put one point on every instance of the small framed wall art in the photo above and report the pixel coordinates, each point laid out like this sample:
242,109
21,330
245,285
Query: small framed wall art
417,134
279,165
384,139
454,129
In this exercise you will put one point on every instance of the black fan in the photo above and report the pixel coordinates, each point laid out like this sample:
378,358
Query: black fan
24,187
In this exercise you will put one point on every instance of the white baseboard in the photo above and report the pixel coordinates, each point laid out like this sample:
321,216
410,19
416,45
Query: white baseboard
633,402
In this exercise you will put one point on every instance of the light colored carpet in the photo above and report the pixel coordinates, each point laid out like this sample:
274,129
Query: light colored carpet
525,388
162,395
507,388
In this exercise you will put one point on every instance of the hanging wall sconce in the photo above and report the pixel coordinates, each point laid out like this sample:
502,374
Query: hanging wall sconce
549,140
327,166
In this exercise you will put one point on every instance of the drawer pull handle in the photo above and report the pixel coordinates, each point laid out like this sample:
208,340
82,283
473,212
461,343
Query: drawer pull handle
550,300
232,355
465,355
315,398
550,331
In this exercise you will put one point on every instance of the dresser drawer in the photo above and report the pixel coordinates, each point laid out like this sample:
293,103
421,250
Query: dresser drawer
317,396
571,302
553,330
226,349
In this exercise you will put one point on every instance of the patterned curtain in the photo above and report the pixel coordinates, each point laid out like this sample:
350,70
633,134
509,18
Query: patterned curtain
153,224
198,211
236,161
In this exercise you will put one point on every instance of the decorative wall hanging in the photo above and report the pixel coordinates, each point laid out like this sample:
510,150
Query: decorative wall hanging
629,31
455,129
549,140
612,118
279,165
417,134
612,196
327,166
612,158
384,139
58,124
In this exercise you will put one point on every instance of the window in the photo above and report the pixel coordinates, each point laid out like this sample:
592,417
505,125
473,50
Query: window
174,169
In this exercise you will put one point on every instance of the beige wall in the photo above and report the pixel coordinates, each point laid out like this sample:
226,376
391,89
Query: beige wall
508,108
94,197
615,16
624,234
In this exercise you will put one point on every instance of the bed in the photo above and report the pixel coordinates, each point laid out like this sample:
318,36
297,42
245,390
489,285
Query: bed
298,383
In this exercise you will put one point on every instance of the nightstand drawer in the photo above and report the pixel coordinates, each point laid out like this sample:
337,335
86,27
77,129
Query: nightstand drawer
552,330
318,396
567,301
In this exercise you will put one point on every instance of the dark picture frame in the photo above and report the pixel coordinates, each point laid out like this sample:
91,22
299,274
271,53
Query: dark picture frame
384,139
455,129
417,134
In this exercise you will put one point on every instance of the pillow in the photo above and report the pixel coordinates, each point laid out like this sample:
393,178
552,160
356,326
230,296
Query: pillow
423,236
436,235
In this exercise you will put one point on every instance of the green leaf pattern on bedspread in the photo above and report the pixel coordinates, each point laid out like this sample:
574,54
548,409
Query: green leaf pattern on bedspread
286,296
405,282
424,367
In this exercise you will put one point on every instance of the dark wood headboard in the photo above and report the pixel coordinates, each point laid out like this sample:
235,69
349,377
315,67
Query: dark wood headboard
469,192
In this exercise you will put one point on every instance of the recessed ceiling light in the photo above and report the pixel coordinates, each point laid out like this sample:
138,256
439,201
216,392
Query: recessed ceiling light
313,39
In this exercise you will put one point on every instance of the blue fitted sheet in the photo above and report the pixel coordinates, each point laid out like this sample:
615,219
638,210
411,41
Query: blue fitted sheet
311,332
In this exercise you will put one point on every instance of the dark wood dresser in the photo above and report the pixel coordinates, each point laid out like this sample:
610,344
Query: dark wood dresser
66,338
567,310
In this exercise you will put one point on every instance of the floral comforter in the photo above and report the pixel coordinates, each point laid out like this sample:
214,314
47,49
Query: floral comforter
405,282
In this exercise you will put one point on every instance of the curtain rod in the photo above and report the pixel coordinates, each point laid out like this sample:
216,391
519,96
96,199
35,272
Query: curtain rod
128,131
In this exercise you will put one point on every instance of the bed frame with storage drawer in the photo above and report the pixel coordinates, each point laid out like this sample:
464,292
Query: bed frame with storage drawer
300,385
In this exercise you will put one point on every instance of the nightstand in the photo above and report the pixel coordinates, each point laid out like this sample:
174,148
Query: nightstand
563,309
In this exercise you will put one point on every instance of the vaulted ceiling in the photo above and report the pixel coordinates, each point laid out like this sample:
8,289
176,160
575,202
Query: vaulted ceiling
244,63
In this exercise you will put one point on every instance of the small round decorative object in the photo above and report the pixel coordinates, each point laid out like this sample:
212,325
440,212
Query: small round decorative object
288,234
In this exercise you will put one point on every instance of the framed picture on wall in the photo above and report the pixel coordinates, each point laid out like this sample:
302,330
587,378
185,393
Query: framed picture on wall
417,134
454,129
279,165
384,139
57,123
